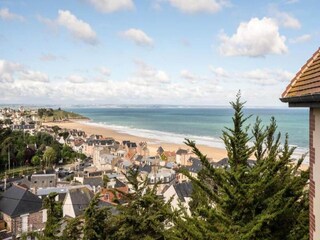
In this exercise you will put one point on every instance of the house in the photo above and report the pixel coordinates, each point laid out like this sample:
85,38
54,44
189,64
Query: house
76,201
182,156
96,182
43,180
162,177
109,194
304,91
22,210
44,192
142,149
169,156
193,169
180,193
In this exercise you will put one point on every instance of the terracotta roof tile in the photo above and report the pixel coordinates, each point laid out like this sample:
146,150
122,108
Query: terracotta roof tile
307,80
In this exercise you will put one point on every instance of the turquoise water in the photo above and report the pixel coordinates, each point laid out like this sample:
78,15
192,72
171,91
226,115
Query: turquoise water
204,125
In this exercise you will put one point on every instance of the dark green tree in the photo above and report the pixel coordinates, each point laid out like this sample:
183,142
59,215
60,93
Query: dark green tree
95,221
54,216
267,200
73,229
145,216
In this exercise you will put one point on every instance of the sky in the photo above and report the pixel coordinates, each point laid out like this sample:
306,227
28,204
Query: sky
166,52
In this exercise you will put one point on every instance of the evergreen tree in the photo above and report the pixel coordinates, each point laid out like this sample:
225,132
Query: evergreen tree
95,221
73,229
54,216
268,200
145,216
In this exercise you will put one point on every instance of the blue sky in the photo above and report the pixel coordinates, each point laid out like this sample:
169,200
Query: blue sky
191,52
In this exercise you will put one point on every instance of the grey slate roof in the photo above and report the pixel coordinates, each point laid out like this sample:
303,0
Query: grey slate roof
160,150
196,165
80,198
145,168
139,158
18,200
119,184
224,163
181,151
183,190
93,181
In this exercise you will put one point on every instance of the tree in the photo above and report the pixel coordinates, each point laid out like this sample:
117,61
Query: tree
36,160
54,216
145,216
56,129
268,200
49,156
95,221
73,230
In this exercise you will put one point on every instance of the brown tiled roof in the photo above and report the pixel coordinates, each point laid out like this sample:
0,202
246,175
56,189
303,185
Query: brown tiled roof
307,80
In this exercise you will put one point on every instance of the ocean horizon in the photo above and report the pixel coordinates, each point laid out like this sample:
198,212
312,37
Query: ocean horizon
204,125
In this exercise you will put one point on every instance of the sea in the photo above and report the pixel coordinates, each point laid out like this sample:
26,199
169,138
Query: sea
202,124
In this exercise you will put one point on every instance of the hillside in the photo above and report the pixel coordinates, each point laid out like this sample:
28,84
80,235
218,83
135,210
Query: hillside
50,115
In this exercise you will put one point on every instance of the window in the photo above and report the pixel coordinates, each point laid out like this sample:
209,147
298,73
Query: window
106,196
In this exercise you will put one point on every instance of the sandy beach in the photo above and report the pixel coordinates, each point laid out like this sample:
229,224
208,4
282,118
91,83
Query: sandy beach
212,152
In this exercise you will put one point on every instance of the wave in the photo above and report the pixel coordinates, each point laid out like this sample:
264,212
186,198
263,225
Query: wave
161,136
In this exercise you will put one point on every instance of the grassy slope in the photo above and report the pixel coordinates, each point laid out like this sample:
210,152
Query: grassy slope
62,115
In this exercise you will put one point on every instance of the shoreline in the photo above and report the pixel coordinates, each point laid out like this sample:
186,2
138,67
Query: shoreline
214,153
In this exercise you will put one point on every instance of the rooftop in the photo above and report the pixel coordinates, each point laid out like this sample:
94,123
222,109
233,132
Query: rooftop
304,88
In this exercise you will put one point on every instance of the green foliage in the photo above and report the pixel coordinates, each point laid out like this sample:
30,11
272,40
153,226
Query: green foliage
95,221
64,135
36,160
49,156
268,200
54,216
73,229
145,216
57,114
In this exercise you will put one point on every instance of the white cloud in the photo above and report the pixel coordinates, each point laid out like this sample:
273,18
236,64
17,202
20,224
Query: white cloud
185,74
301,39
34,76
197,6
11,72
194,78
8,70
219,72
266,76
5,14
255,38
76,79
105,71
108,6
48,57
137,36
146,75
285,19
77,27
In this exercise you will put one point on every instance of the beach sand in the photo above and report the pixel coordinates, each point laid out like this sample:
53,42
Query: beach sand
214,153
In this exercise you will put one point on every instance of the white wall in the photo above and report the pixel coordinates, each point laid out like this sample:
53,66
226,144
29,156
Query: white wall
67,207
316,174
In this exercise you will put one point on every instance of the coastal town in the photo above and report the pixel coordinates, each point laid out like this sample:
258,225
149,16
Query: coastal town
98,168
